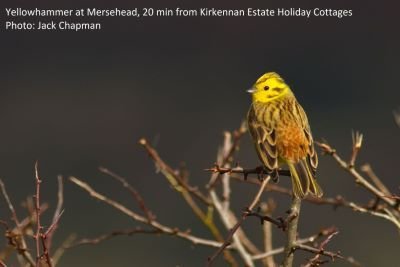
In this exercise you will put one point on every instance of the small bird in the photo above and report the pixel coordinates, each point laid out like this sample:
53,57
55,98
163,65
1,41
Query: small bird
281,133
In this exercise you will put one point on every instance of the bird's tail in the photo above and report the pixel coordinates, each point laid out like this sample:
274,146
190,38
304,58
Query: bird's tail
303,180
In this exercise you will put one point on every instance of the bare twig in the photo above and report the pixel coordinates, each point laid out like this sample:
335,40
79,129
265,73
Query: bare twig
229,224
21,247
266,209
101,238
226,179
357,139
335,202
57,212
387,215
393,197
53,225
225,158
156,225
187,191
292,232
318,251
37,212
231,234
61,249
367,169
135,194
359,179
226,152
170,173
40,237
331,255
244,239
310,239
314,261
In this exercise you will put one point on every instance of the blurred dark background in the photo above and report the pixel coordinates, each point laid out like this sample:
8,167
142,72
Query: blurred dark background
79,100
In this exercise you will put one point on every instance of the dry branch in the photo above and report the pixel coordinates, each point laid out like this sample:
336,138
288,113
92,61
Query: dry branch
40,237
292,232
359,179
390,210
182,186
135,194
234,228
57,213
20,243
136,217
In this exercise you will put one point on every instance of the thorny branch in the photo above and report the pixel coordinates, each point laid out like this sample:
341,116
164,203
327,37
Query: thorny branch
225,158
314,261
292,232
136,217
389,210
181,185
384,205
260,171
19,243
99,239
135,194
238,224
16,236
41,237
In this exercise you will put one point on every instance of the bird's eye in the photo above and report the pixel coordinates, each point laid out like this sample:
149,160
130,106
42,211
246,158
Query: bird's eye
266,88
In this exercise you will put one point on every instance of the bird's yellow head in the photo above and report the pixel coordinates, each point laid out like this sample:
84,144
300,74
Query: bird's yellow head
269,87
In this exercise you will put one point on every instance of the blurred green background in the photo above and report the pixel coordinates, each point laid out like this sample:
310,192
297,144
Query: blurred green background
76,101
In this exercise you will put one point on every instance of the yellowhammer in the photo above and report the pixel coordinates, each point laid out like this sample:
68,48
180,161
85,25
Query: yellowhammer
281,133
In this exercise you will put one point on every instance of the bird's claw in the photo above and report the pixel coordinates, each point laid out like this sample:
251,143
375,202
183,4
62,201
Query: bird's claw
260,173
275,175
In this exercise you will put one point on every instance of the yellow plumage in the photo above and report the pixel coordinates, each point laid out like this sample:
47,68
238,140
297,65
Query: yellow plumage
281,133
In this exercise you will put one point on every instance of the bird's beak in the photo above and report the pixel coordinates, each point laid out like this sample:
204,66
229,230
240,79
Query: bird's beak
251,90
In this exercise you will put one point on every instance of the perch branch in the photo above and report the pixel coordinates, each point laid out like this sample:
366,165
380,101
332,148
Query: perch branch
239,170
292,232
225,158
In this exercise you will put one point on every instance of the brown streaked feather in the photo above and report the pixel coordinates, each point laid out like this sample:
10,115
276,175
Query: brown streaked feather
312,157
282,131
265,137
